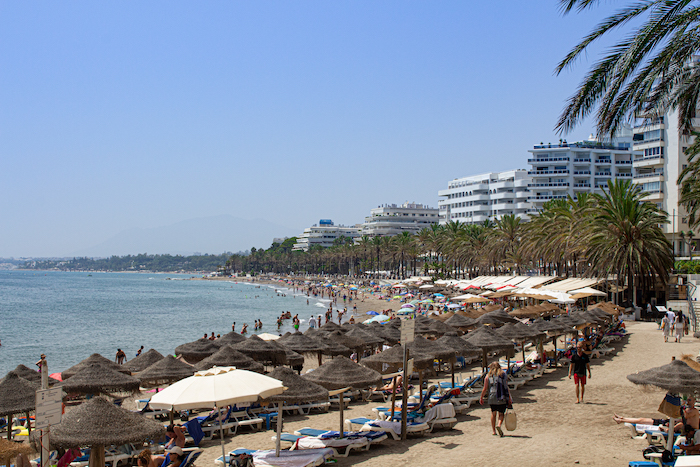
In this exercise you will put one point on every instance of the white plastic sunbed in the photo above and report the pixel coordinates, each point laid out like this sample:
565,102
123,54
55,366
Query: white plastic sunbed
392,428
305,458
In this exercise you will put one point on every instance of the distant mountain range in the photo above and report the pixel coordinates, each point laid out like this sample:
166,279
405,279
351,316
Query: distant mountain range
211,235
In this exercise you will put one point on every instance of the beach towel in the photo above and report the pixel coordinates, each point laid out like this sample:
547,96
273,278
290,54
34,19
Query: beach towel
439,412
292,458
311,442
194,429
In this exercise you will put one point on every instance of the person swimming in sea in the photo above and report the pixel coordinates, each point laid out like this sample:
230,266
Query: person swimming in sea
245,329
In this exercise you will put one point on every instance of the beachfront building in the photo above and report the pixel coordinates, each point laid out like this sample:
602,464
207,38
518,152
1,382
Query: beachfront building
660,147
389,219
324,234
567,169
472,200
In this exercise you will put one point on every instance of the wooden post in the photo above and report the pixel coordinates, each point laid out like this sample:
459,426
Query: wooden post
342,403
279,429
393,398
452,364
97,456
404,395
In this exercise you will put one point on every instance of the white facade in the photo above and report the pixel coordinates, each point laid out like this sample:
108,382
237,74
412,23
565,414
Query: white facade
473,200
389,219
567,169
324,234
660,145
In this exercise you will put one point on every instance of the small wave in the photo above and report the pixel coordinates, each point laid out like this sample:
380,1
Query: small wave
321,305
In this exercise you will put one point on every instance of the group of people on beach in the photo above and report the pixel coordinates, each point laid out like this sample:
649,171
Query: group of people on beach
674,322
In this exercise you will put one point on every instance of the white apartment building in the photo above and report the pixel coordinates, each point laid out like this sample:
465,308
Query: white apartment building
324,234
660,147
567,169
389,219
473,200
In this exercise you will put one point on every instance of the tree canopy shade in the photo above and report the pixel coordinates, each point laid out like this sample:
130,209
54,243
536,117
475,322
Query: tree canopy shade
647,72
625,237
689,181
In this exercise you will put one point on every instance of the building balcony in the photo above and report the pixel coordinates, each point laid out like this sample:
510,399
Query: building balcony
548,159
624,174
546,197
653,195
501,184
564,184
584,186
650,177
582,172
649,161
603,174
603,161
546,172
582,161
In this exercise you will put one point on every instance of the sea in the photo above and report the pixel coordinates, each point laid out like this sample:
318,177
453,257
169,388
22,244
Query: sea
71,315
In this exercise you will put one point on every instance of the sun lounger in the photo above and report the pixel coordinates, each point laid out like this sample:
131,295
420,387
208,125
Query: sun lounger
440,416
241,418
216,426
374,437
391,428
340,446
303,458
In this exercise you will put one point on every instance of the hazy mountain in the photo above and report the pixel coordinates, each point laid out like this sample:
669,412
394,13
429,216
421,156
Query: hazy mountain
213,235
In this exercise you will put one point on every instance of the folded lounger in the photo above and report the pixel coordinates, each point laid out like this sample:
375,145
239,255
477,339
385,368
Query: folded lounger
304,458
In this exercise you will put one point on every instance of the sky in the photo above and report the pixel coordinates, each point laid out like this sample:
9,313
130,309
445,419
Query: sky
122,115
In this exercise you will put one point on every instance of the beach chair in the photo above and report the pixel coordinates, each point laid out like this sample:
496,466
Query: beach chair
241,418
414,410
386,426
439,416
374,437
303,458
341,446
216,426
449,398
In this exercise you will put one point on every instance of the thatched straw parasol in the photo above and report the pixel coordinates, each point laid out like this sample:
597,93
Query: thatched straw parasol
32,375
391,334
298,389
690,361
94,358
366,337
143,361
334,348
230,338
460,321
500,314
99,423
443,317
9,450
17,395
166,371
394,358
490,308
490,320
289,357
422,346
196,351
439,328
331,326
341,372
262,351
302,344
228,356
98,379
353,344
451,340
676,377
488,341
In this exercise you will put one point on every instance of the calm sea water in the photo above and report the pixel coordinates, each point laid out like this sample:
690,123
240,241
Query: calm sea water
69,315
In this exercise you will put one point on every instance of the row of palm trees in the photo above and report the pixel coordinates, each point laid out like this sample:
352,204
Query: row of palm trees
615,234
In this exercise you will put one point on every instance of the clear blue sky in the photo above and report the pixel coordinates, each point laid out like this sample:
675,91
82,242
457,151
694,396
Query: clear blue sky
116,115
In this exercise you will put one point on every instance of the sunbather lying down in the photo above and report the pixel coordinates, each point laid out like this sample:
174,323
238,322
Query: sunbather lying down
390,386
660,422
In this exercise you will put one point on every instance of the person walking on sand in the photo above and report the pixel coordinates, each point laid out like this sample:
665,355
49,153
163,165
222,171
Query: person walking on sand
578,366
496,385
678,326
666,327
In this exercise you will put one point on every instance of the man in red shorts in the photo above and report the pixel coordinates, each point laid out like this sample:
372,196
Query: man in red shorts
579,364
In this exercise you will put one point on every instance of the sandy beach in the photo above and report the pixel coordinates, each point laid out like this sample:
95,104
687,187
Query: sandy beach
552,428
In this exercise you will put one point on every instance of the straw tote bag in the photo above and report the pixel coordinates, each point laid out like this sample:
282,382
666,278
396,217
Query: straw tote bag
511,420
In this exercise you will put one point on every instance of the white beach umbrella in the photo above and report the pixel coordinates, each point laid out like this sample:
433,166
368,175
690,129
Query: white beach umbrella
217,387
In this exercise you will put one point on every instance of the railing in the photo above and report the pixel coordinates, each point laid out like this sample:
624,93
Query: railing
603,161
549,172
655,174
624,175
584,145
582,172
691,307
603,174
549,159
582,160
649,158
547,184
623,162
582,185
548,197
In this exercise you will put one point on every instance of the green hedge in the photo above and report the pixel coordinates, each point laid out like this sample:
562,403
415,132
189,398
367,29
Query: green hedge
687,267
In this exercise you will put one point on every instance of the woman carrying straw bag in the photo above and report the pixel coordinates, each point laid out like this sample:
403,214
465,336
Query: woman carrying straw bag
496,386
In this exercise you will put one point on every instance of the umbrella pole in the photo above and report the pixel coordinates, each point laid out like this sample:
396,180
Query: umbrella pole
342,403
221,433
452,365
319,358
671,430
97,456
523,352
279,429
9,426
29,425
393,398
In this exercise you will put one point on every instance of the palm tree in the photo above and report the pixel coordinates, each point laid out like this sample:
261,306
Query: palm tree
504,242
689,182
625,237
648,70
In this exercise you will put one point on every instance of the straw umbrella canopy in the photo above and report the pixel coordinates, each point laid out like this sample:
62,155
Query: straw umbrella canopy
261,351
490,320
460,321
341,372
368,339
391,334
502,315
230,338
17,395
196,351
451,340
288,356
143,361
421,345
330,326
438,327
94,358
228,356
99,423
302,344
166,370
31,375
98,379
334,348
443,317
488,341
394,358
353,344
676,377
9,450
298,389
